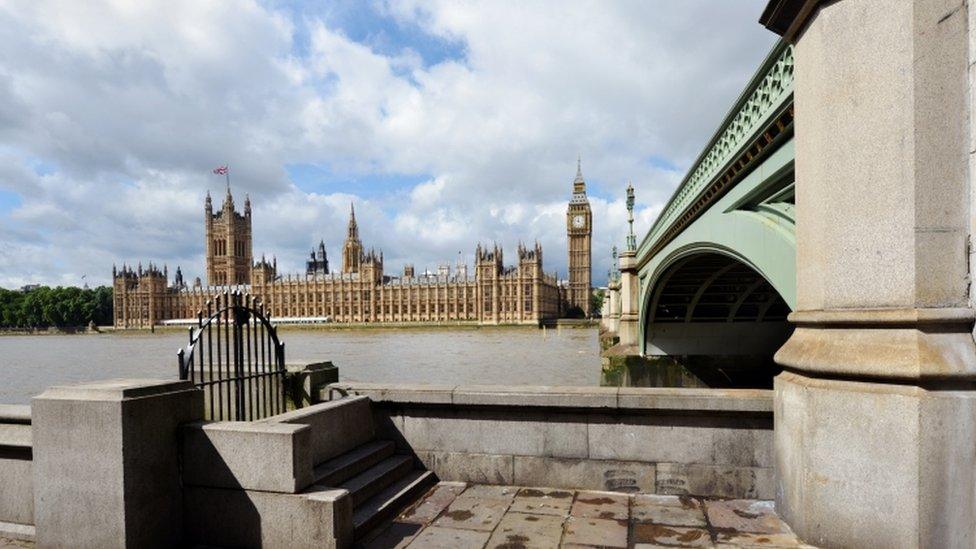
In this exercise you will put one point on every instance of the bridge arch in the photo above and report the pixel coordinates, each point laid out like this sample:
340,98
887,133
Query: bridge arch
716,312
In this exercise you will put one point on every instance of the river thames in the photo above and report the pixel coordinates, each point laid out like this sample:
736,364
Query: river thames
509,356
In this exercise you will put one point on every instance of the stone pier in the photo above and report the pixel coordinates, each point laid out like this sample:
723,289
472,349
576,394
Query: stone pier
876,414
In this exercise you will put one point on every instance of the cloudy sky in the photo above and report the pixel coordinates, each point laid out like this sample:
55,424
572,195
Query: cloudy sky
446,122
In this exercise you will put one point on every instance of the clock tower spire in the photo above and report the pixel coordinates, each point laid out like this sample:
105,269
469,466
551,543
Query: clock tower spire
579,232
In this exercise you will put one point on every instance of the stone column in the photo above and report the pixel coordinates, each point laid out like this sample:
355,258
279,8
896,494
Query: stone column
628,326
106,465
875,416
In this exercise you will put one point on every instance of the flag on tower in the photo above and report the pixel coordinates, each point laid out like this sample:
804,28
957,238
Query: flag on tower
221,170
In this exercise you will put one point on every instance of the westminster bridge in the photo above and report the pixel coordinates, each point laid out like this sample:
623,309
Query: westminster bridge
823,237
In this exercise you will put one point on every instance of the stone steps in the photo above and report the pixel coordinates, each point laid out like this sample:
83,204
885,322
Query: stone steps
340,469
390,501
366,484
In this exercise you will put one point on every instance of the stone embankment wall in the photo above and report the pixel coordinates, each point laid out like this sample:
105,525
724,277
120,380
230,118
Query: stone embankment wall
654,440
16,487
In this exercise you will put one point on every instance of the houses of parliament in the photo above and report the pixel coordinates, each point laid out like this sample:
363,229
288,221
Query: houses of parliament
361,291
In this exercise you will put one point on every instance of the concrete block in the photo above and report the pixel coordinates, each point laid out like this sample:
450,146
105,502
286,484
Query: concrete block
247,518
471,467
882,463
745,516
236,455
433,503
715,481
106,469
536,396
403,393
306,381
585,474
496,432
17,492
679,439
701,400
337,426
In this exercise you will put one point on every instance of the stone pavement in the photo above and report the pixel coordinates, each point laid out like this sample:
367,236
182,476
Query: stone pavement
455,515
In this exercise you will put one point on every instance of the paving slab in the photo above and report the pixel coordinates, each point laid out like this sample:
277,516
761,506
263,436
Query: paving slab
656,535
487,491
432,504
525,531
434,537
473,514
752,516
668,515
743,539
396,536
543,501
667,501
605,505
595,532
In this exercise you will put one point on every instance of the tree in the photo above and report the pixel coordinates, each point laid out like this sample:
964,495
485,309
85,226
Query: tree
60,307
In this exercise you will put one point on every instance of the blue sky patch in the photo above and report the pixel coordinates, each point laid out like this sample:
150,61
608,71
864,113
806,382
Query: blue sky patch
366,23
319,178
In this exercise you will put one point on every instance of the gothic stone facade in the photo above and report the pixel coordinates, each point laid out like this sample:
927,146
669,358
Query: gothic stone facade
361,292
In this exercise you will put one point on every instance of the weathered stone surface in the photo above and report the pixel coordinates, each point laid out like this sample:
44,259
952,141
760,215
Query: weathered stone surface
473,468
403,393
745,516
435,501
536,396
715,480
485,491
714,440
501,432
591,474
595,532
17,492
434,537
396,536
664,535
604,505
105,462
472,514
235,455
337,426
527,531
703,400
249,518
543,501
687,512
652,500
744,539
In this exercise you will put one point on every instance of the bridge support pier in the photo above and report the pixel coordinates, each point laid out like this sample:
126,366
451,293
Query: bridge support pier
627,326
876,411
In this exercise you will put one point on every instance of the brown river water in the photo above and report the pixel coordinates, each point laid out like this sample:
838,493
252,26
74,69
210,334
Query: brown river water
493,356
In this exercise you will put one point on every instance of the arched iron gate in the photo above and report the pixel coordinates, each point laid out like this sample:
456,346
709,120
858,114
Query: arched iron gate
235,356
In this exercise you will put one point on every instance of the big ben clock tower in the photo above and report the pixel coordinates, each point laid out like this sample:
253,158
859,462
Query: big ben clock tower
579,230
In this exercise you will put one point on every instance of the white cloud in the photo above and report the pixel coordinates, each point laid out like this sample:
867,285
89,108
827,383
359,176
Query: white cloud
112,114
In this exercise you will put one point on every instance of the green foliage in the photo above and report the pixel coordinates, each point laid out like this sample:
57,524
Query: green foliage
59,307
596,301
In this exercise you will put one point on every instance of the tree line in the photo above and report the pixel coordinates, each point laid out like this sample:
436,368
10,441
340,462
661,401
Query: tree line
45,307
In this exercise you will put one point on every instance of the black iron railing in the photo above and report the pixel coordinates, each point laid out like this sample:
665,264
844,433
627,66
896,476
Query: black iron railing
235,356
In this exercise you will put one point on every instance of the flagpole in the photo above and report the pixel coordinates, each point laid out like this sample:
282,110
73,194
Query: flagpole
227,175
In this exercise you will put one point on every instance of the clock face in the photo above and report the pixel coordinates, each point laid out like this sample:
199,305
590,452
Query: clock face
578,221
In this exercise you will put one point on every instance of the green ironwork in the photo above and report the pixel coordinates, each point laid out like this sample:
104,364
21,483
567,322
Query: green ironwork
768,91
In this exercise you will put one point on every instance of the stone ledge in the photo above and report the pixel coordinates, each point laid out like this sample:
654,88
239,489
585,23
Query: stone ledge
15,413
18,532
568,397
115,389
